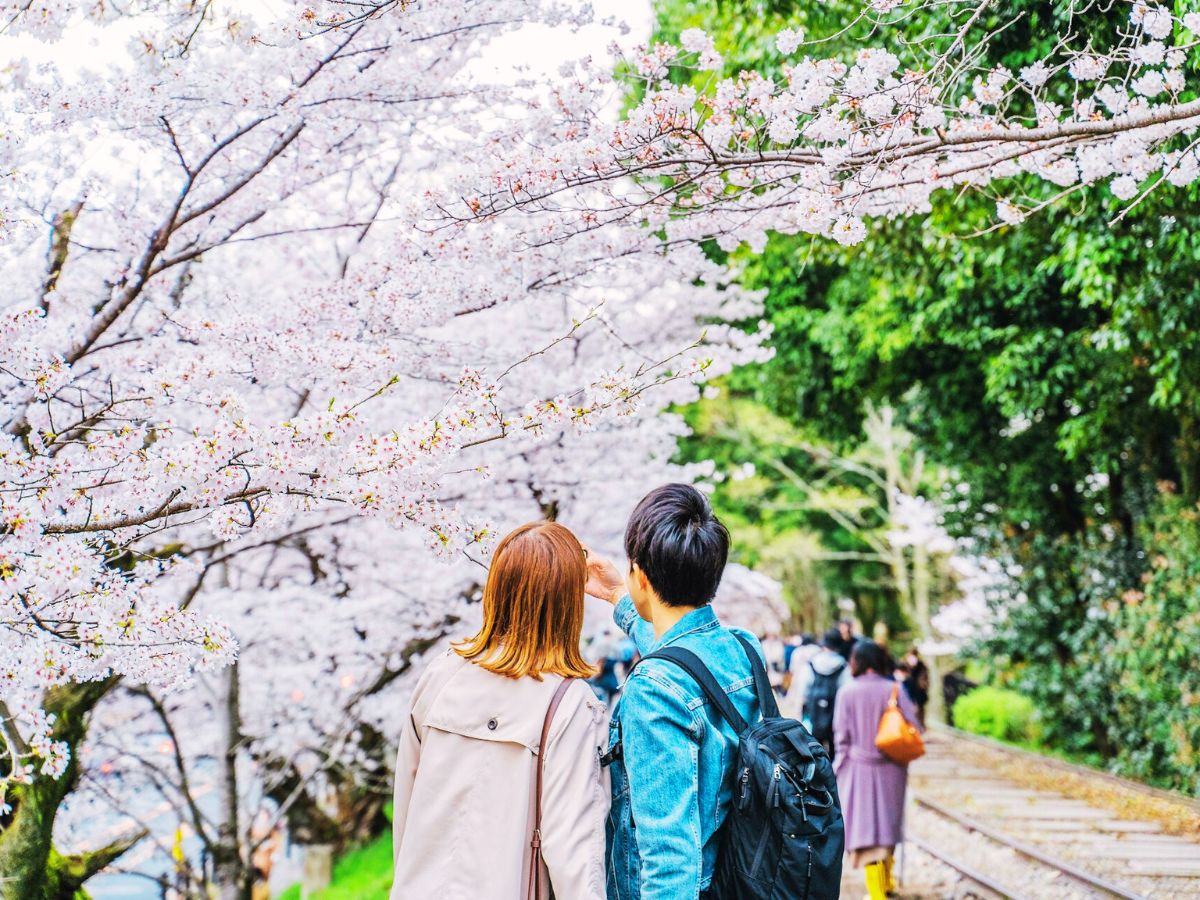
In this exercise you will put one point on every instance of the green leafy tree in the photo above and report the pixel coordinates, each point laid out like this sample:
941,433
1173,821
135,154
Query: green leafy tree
1051,366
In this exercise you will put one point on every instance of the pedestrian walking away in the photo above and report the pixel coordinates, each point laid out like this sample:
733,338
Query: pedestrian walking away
846,639
802,654
818,684
872,786
916,681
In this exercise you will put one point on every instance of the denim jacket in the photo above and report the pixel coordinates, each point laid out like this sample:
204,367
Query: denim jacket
672,778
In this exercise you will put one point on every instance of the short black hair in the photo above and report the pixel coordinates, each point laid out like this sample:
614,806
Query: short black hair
676,539
832,639
869,655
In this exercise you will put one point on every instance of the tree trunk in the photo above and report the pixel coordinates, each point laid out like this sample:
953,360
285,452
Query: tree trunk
922,582
30,867
231,872
898,559
1187,454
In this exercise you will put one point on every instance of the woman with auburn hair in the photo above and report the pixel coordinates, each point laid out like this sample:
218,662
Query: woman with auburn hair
467,776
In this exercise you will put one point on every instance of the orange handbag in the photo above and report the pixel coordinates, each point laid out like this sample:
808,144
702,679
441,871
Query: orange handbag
897,738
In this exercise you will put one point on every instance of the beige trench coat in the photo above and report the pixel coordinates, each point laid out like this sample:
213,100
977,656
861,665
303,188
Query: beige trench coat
464,788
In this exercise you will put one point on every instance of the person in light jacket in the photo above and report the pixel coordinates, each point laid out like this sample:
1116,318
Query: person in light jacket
465,774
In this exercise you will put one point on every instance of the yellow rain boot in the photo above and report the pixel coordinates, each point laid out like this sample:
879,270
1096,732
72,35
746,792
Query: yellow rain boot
889,870
876,881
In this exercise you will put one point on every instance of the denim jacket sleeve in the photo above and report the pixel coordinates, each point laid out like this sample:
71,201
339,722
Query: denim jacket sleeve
626,616
661,743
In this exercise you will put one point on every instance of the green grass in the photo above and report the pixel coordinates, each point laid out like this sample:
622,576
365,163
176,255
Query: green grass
364,873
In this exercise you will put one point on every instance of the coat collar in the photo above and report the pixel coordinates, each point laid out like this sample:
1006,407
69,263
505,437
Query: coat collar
700,619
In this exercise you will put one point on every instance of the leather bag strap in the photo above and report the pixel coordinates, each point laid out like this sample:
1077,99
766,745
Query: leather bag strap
535,842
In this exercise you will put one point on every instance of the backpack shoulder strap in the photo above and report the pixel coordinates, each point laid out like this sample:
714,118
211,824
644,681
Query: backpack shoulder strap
694,666
767,706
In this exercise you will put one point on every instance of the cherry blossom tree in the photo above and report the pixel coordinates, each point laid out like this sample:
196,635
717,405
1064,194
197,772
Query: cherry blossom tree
242,371
332,625
286,296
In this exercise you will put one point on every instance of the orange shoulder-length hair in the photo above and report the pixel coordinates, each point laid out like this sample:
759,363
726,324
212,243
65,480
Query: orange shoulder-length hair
533,606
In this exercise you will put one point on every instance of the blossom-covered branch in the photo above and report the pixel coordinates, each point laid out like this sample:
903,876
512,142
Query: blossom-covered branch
835,141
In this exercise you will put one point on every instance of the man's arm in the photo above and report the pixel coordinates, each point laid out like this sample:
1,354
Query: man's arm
626,616
605,582
663,786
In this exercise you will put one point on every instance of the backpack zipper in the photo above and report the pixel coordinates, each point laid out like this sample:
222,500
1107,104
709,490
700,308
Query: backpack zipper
773,801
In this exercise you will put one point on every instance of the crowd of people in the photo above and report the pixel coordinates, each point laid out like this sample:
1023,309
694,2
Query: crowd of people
811,673
516,779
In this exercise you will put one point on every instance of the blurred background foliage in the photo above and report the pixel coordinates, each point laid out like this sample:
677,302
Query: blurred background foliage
1049,374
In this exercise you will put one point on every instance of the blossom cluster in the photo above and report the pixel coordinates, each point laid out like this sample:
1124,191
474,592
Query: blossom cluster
248,395
833,142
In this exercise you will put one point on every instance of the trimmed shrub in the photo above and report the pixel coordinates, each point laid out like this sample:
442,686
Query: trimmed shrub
996,713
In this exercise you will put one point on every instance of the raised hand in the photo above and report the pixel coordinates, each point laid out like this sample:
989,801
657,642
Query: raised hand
604,579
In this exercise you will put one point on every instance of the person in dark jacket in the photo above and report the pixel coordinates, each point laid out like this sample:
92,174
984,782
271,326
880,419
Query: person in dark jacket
916,680
818,684
845,639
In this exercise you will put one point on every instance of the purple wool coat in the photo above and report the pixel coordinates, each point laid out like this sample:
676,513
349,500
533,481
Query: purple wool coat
870,785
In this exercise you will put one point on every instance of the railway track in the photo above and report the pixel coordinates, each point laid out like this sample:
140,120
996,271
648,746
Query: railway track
1061,765
1005,837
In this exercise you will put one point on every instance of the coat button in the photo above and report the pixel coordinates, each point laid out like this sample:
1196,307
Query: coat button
492,723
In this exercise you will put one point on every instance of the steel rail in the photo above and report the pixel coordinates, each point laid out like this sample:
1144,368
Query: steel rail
962,868
1028,850
1074,768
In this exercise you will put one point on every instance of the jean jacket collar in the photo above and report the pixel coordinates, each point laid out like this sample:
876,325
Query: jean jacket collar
699,619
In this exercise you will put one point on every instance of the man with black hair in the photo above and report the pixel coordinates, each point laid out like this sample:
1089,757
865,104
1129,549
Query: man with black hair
845,638
671,754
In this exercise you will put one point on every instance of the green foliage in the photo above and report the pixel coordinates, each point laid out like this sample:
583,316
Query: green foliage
364,873
1155,678
1053,366
813,515
996,713
1117,672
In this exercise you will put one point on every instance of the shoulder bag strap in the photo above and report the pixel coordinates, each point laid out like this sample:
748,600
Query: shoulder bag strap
535,842
694,666
767,704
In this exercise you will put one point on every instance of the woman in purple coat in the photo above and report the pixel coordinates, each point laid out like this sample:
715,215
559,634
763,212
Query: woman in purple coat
871,785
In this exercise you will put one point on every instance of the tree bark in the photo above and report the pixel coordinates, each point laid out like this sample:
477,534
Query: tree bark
1187,453
231,870
30,867
922,582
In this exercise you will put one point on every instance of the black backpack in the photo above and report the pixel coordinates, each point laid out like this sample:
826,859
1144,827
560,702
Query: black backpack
818,703
783,838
